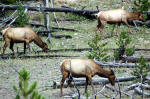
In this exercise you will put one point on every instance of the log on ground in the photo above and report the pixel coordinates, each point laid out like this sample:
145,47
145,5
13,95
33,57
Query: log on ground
115,65
96,81
139,91
134,59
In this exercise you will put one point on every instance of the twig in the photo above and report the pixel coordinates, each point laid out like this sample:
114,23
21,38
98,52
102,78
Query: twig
139,91
98,92
118,90
54,13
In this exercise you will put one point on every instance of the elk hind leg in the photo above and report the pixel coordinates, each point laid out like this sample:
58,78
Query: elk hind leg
7,41
69,83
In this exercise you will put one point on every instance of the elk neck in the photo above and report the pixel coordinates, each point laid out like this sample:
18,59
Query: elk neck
133,16
102,72
38,41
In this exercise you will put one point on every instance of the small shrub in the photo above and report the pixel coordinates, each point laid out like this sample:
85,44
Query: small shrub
25,91
141,5
122,43
22,19
130,51
8,1
141,70
13,1
87,95
99,50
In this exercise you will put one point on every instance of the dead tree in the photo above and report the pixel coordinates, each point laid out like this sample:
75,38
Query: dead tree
47,23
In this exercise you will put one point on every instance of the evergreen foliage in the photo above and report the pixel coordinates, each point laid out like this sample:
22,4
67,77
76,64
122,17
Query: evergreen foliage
122,43
22,19
99,50
141,70
8,1
141,5
87,94
25,91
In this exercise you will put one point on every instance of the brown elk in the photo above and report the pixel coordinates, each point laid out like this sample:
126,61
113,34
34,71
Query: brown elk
21,35
84,68
116,16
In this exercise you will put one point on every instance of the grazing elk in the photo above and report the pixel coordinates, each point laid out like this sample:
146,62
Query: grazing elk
84,68
116,16
21,35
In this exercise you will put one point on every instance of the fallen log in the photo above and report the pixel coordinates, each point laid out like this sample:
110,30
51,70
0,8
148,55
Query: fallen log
62,36
148,78
46,9
133,86
41,32
54,28
134,59
96,81
36,56
139,91
115,65
66,29
140,23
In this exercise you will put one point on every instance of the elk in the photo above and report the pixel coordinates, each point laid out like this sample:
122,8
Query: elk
116,16
84,68
21,35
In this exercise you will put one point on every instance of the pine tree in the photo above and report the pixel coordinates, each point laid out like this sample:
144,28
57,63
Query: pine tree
99,50
141,5
25,91
22,19
141,70
123,41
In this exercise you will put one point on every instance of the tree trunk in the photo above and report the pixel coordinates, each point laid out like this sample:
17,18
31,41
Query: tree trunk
47,23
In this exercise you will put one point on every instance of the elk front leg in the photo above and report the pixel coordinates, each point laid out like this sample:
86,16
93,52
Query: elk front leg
90,80
86,85
118,27
24,47
128,26
101,28
65,75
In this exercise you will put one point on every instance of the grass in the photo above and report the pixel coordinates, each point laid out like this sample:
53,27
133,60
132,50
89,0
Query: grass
47,70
